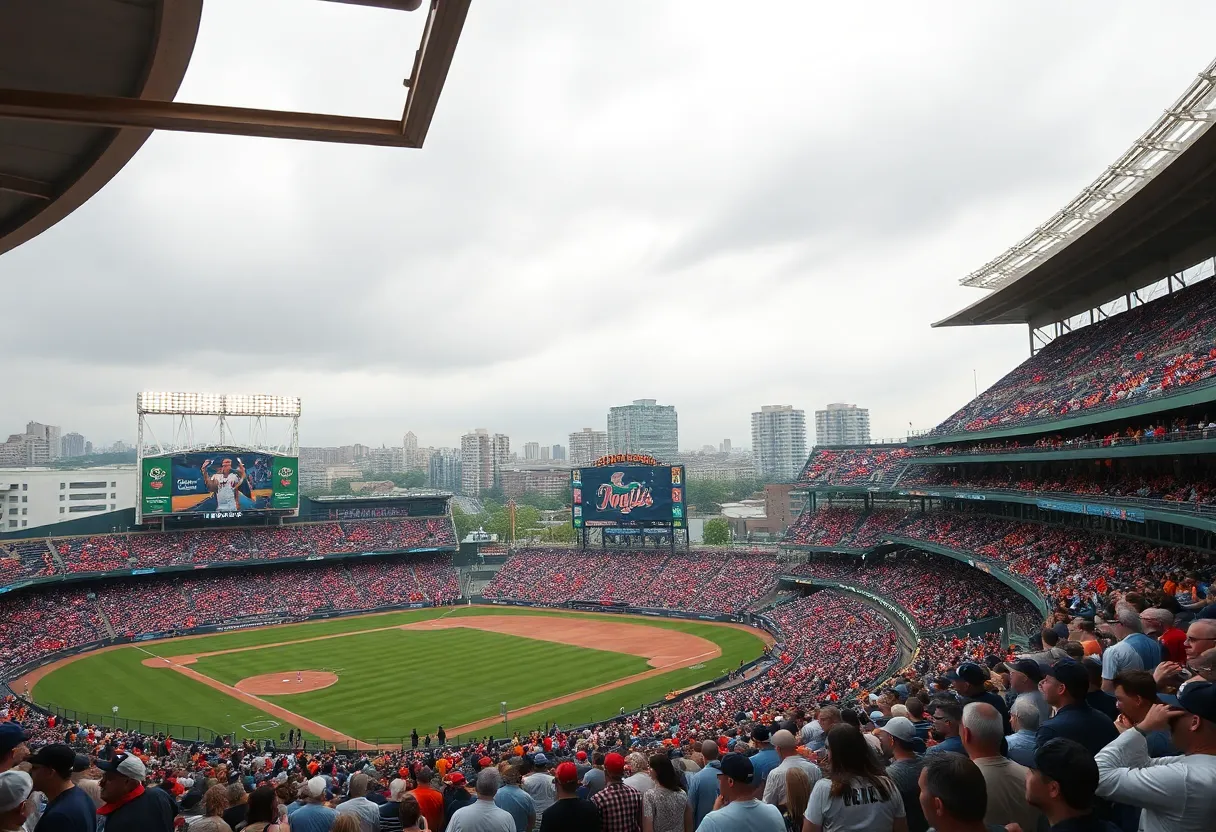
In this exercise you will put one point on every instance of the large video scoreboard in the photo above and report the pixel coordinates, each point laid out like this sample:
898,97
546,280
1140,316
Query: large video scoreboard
618,491
219,484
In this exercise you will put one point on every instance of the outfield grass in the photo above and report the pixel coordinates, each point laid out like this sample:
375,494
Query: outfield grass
389,681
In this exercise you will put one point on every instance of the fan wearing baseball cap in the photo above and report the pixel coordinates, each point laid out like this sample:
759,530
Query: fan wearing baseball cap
1065,686
620,805
15,790
737,809
68,808
1175,793
127,806
570,813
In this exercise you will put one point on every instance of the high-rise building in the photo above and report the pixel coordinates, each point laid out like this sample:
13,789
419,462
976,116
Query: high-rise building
587,446
552,482
778,442
32,497
558,453
482,459
531,450
385,460
544,453
411,442
50,433
445,467
842,424
644,427
725,446
71,445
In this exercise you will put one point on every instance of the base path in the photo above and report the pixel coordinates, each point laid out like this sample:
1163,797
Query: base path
665,649
287,682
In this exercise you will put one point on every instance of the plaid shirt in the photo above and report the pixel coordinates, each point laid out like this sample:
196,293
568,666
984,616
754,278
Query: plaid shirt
620,808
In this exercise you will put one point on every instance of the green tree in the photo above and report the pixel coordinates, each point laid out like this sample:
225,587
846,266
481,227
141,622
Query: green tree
414,479
717,531
561,533
465,523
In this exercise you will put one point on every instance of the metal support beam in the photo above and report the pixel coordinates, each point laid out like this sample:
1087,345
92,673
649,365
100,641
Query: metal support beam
432,61
104,111
26,187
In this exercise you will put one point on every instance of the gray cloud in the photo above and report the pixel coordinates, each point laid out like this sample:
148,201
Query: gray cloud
704,204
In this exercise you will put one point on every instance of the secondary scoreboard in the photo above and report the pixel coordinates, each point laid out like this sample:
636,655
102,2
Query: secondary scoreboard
627,490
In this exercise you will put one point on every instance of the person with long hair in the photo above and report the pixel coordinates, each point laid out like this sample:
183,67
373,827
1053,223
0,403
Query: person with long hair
263,813
858,795
797,796
215,801
665,808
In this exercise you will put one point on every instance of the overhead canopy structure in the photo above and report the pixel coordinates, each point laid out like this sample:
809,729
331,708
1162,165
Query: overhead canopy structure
1150,215
84,82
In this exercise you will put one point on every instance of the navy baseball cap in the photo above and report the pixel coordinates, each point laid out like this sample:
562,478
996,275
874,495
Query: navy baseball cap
1069,672
737,767
971,673
11,736
1028,668
1198,698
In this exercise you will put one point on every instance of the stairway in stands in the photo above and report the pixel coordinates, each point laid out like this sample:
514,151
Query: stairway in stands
101,613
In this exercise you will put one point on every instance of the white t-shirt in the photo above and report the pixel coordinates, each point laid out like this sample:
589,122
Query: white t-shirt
225,495
540,786
859,809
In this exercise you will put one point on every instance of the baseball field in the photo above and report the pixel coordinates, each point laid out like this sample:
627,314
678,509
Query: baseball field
374,678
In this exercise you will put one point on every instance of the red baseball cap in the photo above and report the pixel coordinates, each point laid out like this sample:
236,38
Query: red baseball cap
615,763
485,762
566,773
582,755
456,779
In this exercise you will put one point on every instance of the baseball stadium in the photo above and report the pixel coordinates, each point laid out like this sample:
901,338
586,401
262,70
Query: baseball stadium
226,611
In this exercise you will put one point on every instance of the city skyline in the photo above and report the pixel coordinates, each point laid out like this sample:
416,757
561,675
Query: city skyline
753,283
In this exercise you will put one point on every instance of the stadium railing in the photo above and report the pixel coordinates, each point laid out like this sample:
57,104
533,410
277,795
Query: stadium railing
938,451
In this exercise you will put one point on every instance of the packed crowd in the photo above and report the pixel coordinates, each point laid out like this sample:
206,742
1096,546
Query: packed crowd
1156,349
705,580
1178,428
831,526
872,465
1109,725
141,550
1064,563
1194,488
938,592
37,623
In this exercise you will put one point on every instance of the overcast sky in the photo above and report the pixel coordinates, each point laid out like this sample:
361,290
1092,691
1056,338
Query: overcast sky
718,205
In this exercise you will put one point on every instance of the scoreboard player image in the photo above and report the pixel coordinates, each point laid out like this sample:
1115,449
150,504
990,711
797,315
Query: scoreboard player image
222,483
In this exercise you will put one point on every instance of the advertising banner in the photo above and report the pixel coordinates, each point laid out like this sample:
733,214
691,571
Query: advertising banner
628,495
219,484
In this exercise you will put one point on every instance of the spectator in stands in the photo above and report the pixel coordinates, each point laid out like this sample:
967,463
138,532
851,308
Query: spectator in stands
620,805
1064,687
766,758
429,798
313,815
1134,651
1096,698
1136,693
129,807
515,800
858,794
900,742
265,814
456,794
786,747
215,801
703,786
15,790
1200,636
482,815
665,808
953,794
68,809
1026,720
357,803
1024,678
538,783
970,680
1175,793
640,779
390,811
1061,785
947,718
1158,624
409,815
1005,780
737,808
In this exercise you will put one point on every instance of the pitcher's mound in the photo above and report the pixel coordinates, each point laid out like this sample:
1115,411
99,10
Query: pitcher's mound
287,681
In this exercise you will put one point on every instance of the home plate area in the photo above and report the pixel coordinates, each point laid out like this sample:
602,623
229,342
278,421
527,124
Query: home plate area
287,681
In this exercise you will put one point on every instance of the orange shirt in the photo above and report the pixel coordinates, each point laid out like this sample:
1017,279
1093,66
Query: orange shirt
1092,648
442,766
431,804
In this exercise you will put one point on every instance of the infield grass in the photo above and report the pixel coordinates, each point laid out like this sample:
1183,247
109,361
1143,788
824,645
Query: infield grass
390,680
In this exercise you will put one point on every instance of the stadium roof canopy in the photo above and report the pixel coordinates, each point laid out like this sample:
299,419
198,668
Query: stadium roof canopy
84,82
1150,215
